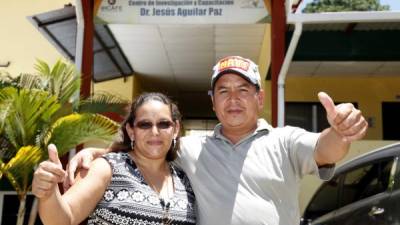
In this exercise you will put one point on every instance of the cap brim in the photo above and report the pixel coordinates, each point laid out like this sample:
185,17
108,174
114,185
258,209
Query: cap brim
234,72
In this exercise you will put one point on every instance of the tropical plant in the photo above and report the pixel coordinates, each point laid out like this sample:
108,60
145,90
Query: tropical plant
344,5
36,110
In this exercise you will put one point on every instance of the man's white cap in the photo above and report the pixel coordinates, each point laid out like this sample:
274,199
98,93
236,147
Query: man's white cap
243,67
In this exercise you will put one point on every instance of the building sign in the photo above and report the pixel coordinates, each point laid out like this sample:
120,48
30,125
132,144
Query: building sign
180,11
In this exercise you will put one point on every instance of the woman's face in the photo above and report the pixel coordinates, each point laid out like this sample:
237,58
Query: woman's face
153,130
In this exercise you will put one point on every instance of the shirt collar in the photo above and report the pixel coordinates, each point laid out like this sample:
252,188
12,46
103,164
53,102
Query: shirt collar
262,125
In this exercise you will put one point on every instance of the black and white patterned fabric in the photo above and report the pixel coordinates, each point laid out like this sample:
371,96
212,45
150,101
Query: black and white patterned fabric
130,200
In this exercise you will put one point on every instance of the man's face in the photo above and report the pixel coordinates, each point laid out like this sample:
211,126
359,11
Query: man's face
236,102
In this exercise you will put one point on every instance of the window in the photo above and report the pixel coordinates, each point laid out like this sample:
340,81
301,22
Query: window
310,116
326,199
366,181
390,121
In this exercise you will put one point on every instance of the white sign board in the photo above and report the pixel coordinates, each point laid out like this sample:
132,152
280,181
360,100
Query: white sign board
180,11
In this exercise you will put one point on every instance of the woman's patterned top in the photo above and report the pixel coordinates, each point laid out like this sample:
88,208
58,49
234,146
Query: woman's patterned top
130,200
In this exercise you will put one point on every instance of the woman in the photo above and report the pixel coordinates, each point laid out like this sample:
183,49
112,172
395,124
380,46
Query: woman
137,185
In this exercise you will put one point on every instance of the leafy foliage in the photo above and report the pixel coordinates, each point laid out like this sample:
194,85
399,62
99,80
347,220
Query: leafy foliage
62,80
19,169
78,128
344,5
36,110
28,110
103,102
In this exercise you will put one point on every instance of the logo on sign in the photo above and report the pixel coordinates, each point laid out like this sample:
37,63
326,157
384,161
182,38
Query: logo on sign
111,7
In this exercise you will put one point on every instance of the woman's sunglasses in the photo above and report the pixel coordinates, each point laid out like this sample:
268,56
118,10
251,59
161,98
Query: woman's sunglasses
161,125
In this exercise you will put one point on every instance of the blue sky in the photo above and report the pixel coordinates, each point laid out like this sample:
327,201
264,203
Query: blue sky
394,4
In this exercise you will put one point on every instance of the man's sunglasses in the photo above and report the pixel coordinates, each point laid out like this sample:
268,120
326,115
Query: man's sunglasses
161,125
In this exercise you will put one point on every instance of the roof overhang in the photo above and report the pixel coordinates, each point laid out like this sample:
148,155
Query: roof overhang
60,28
339,44
176,59
343,17
346,44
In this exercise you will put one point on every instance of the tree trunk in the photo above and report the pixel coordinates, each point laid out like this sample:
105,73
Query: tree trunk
21,210
33,213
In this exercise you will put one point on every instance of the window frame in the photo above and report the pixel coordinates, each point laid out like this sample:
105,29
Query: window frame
389,159
340,177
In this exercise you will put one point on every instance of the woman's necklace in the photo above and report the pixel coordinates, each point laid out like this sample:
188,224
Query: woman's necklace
162,195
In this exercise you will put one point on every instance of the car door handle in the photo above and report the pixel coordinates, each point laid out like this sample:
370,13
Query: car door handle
376,211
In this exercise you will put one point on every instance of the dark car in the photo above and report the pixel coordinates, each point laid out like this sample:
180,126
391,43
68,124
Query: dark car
363,191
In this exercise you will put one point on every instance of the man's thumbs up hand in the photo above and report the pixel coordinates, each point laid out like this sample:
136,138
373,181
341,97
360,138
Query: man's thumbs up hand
328,104
344,118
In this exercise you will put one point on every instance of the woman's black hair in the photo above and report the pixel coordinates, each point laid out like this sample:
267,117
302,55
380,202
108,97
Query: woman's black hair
125,143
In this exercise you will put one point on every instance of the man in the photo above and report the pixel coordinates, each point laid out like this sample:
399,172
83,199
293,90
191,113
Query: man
248,172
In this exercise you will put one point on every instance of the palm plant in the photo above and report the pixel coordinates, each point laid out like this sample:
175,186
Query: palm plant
36,110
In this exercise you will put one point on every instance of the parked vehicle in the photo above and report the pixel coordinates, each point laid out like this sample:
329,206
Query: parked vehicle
363,191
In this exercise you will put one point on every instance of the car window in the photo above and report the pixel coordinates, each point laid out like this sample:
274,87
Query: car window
325,200
366,181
